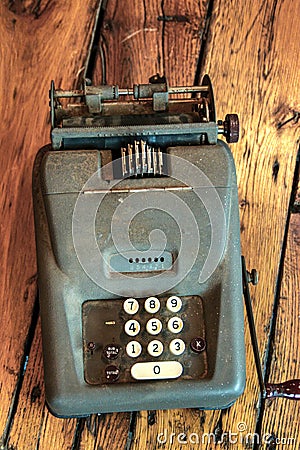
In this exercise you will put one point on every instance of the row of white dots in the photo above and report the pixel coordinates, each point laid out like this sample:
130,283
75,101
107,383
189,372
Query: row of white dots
152,305
153,326
155,348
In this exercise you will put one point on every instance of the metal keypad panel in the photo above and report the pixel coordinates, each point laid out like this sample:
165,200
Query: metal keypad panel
139,339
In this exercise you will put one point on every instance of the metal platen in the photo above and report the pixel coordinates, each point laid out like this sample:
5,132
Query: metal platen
148,107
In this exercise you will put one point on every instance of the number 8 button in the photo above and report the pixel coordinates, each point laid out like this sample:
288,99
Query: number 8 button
152,305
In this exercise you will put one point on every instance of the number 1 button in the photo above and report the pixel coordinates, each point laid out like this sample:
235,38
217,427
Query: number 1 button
133,349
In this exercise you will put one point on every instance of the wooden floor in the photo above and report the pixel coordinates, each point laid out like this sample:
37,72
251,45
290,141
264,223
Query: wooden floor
251,50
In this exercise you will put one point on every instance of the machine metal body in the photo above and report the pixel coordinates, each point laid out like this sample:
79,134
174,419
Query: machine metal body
134,325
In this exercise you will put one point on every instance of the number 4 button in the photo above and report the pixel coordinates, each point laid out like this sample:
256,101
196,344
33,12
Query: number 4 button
132,327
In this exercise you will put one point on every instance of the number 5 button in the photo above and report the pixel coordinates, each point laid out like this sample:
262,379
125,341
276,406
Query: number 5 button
154,326
175,325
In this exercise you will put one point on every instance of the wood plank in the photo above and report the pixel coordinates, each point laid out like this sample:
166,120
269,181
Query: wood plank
105,431
281,416
254,75
34,426
151,37
39,41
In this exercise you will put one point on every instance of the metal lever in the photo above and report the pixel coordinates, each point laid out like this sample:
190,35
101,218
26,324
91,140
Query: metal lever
289,389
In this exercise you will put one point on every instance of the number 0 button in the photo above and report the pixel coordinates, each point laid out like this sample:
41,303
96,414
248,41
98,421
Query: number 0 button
175,325
132,327
152,305
131,306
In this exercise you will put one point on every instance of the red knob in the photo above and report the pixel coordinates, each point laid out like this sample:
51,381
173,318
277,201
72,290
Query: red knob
231,128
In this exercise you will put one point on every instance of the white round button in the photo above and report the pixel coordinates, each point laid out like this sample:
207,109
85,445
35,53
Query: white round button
154,326
177,347
174,304
175,325
132,327
152,305
131,306
133,349
155,348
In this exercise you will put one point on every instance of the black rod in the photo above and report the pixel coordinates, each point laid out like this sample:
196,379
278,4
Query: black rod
252,328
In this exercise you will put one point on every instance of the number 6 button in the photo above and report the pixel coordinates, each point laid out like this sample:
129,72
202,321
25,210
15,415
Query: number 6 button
132,327
175,325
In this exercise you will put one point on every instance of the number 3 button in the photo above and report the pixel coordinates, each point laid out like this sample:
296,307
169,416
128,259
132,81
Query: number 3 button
177,347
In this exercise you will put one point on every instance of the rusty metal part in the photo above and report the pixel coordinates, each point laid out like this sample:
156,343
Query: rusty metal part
151,113
252,277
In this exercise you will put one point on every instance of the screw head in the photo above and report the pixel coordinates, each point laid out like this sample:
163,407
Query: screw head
253,277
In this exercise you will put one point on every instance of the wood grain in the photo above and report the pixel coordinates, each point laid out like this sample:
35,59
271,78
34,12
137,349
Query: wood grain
106,431
281,418
252,57
151,37
39,41
255,75
33,426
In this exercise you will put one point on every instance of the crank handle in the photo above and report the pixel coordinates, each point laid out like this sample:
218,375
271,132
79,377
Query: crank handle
288,389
